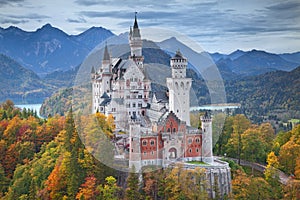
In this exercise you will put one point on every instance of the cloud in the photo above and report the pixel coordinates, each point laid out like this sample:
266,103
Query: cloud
129,3
90,2
79,20
28,16
12,21
9,2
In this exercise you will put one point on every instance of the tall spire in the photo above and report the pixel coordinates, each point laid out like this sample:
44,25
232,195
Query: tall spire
135,21
106,54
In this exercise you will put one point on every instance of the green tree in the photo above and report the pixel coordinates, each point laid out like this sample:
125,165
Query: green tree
132,190
110,190
253,146
224,137
234,145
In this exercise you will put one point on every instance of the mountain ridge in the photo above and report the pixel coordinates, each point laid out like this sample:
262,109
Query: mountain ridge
48,49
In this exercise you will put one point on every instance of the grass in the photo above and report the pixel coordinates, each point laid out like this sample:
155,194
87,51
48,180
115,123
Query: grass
196,162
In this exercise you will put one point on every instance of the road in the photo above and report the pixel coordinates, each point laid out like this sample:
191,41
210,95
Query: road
261,168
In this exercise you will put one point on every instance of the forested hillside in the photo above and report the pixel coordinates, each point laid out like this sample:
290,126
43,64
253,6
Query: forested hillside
274,94
17,82
45,159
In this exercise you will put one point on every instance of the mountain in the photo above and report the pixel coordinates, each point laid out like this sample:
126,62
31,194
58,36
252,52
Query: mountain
254,63
17,82
49,49
291,57
93,36
236,54
272,94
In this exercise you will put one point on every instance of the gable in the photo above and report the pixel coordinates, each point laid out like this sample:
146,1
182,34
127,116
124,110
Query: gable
133,71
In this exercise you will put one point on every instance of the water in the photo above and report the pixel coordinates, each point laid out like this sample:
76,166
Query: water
222,107
35,107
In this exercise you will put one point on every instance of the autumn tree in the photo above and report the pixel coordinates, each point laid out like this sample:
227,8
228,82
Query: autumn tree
288,155
56,182
87,190
272,175
110,190
234,145
253,146
292,190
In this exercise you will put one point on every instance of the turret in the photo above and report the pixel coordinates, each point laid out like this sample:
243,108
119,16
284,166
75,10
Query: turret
178,64
207,150
134,143
135,42
179,88
106,61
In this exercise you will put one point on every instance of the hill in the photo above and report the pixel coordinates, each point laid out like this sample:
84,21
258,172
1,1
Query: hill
17,82
275,94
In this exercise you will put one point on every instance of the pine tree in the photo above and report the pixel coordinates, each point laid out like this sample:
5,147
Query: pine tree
132,190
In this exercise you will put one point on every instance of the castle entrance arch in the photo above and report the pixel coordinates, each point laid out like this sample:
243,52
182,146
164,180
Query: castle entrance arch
172,153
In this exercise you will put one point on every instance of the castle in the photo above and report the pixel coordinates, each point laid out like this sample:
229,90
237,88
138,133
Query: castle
157,123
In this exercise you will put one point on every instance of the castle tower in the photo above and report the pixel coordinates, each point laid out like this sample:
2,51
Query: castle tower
135,147
135,42
106,73
179,88
95,90
207,150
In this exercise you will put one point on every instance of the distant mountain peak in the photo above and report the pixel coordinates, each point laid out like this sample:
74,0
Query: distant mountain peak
13,28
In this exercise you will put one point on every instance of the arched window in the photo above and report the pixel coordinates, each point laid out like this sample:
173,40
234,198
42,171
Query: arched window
152,142
144,143
197,140
190,140
182,85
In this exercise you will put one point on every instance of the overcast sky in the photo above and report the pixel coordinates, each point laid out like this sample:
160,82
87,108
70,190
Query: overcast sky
217,26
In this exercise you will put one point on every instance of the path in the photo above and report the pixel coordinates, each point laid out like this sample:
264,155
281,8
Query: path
259,167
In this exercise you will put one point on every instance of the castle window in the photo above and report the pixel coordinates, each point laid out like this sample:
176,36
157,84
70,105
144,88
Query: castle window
140,105
152,142
140,96
168,130
145,153
144,143
133,105
190,140
152,152
197,150
197,140
113,109
190,150
128,105
131,150
174,130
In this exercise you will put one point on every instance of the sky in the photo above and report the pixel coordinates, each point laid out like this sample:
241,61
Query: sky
216,25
